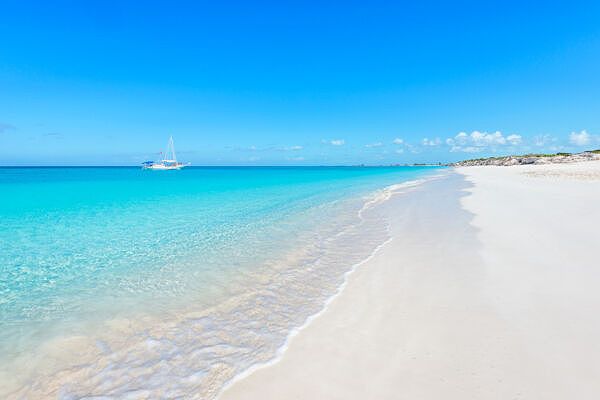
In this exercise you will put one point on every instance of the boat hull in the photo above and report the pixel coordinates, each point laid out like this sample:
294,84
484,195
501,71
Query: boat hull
160,167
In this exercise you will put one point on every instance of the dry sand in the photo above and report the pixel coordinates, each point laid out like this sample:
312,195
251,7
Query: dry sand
489,289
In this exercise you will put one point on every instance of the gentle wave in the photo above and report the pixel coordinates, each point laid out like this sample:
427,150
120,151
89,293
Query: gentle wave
377,198
197,348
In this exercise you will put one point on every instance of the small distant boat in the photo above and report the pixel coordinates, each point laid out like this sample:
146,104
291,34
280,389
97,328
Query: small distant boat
168,162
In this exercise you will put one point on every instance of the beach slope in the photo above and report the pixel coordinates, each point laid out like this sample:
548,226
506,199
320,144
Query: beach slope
487,290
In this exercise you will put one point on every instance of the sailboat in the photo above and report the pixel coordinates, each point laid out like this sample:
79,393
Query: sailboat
168,162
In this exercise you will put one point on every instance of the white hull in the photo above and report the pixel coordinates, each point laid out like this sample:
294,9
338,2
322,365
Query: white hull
161,167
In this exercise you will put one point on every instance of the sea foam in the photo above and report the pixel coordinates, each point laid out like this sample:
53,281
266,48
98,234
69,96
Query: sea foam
188,332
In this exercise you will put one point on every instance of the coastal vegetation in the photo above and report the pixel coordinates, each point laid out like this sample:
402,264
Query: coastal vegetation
532,158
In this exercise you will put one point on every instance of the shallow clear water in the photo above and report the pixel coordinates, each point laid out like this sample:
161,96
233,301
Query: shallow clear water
129,283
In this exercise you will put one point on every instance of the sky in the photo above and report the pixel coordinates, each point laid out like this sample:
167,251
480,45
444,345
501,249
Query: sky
296,83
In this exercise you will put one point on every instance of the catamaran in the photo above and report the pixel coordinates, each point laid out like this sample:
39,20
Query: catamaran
168,162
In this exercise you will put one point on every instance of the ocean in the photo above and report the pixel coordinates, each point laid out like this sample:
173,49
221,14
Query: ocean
125,283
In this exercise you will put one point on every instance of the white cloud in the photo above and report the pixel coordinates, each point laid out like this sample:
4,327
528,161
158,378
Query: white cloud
398,141
293,148
337,142
487,139
432,142
376,144
514,139
400,151
466,149
479,141
411,148
295,158
580,139
461,138
543,140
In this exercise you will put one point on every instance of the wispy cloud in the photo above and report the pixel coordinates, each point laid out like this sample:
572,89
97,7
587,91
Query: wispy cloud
53,135
335,142
405,146
292,148
413,149
583,138
543,140
431,142
376,144
467,149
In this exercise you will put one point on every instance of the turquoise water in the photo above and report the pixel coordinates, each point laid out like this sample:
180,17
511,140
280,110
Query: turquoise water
98,255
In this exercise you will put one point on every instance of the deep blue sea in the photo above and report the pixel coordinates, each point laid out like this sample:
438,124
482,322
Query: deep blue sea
116,281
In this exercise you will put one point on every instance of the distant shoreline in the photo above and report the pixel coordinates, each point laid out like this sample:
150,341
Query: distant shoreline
527,159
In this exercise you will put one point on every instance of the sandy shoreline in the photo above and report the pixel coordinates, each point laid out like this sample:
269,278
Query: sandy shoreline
493,294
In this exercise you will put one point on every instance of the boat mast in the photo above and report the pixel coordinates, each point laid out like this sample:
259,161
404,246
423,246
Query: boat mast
172,148
170,153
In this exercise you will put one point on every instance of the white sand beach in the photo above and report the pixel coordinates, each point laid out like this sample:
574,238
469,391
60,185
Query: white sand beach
488,290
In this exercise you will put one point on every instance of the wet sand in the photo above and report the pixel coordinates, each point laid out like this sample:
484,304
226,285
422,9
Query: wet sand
487,290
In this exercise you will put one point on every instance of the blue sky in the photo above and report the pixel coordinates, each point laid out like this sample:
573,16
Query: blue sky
296,83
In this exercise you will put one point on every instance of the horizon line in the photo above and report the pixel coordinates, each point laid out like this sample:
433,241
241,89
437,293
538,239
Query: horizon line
234,166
